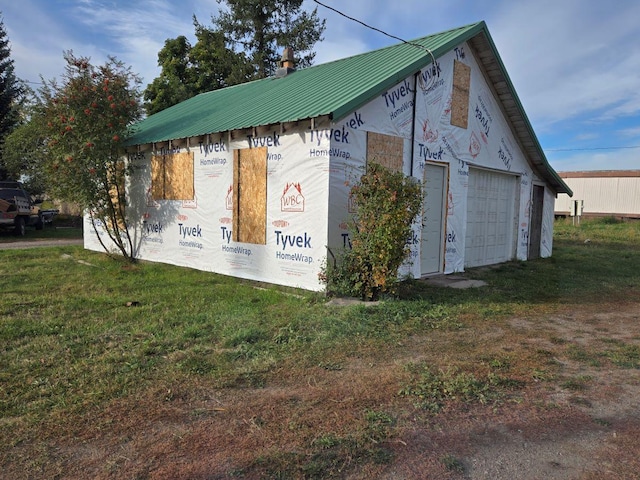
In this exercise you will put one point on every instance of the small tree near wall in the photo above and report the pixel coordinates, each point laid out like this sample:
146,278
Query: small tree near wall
387,203
86,120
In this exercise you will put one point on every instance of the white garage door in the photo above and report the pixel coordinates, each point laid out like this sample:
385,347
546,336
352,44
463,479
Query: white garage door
491,223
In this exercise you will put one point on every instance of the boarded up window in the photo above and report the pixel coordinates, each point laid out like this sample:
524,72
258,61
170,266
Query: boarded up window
460,94
250,195
385,150
172,176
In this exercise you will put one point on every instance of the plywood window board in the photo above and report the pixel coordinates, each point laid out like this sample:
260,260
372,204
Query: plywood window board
385,150
157,177
250,195
460,94
172,176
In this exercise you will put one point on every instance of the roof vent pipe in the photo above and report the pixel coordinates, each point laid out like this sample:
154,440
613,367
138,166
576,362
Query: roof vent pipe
287,63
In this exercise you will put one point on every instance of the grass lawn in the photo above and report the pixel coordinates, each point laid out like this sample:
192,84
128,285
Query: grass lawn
109,370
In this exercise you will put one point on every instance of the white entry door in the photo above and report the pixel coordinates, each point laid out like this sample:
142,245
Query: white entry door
432,241
491,223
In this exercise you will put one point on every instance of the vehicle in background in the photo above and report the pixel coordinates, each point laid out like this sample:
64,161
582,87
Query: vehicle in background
18,209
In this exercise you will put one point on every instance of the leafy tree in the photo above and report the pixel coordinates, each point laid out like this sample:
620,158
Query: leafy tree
189,70
85,120
25,147
12,91
174,84
263,27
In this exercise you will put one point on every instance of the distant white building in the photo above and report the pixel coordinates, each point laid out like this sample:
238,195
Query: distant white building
602,193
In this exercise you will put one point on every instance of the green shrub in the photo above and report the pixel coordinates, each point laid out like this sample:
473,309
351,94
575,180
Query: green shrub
387,203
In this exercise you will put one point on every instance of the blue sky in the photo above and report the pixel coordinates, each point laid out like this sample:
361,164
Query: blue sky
575,64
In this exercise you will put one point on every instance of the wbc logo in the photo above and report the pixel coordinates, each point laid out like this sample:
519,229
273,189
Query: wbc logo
292,199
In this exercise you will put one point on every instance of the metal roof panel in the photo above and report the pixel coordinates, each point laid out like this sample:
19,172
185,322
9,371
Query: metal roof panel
334,89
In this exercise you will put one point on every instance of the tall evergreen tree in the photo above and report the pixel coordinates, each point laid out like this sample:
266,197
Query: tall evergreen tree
11,93
214,64
263,27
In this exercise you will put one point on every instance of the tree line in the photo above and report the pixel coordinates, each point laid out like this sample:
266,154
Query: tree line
242,44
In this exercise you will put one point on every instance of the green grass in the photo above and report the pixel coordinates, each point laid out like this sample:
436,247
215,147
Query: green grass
71,345
70,340
432,389
453,464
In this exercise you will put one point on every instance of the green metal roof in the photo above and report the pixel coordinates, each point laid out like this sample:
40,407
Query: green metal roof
335,89
332,89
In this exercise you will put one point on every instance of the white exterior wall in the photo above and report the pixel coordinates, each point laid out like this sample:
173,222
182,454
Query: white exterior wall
197,233
487,143
603,195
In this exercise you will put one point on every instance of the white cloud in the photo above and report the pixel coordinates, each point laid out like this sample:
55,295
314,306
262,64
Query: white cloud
620,159
133,32
587,136
136,31
570,58
630,133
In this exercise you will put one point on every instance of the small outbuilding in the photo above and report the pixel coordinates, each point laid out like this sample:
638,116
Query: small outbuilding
253,180
601,193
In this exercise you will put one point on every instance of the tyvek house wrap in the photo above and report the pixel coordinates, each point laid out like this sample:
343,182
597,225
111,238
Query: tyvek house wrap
198,233
310,172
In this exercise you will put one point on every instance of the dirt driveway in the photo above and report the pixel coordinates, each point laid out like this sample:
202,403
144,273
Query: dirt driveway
588,422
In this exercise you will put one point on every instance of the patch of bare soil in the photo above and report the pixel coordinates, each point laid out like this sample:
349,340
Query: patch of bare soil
577,417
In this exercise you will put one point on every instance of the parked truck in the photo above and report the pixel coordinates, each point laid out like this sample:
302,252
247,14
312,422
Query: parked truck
17,208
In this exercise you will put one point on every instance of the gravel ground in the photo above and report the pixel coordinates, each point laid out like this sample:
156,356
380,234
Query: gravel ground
34,243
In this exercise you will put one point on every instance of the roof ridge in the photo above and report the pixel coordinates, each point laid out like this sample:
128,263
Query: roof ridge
400,44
